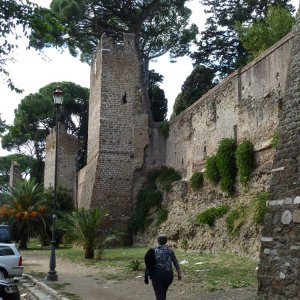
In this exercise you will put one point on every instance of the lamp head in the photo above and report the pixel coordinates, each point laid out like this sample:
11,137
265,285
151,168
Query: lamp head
57,97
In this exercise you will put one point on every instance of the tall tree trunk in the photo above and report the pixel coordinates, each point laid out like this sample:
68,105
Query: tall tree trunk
89,253
23,238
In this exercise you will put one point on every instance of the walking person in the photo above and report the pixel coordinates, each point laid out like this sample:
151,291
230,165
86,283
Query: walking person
162,276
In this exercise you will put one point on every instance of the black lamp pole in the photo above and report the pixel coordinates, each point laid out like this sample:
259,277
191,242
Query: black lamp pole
52,274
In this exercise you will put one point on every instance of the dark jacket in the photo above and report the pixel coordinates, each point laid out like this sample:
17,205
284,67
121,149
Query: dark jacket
150,264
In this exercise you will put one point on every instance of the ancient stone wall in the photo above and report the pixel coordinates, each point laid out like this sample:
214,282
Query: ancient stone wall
244,105
66,160
247,104
118,130
278,274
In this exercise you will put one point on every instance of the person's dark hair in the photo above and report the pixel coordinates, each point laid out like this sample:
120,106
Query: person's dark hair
162,239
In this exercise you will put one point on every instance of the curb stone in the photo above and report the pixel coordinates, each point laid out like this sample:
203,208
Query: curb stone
39,290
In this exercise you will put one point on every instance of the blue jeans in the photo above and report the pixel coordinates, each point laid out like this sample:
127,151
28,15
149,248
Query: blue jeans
161,280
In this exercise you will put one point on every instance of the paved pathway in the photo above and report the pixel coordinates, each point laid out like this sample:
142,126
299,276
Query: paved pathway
79,282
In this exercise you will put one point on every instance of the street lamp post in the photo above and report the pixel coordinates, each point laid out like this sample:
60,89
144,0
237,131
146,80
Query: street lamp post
52,274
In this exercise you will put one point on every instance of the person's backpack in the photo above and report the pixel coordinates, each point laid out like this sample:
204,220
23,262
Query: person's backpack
150,263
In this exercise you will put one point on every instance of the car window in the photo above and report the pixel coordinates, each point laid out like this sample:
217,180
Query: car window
5,250
4,236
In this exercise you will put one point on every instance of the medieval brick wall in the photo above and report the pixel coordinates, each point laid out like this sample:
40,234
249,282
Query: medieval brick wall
66,160
279,268
246,104
14,174
118,130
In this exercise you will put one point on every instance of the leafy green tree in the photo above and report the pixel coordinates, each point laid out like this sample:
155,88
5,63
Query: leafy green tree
35,115
159,26
158,101
64,205
2,126
25,209
83,227
16,18
196,85
25,162
262,34
220,47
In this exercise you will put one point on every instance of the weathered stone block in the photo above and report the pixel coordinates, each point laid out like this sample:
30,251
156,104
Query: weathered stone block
287,217
296,216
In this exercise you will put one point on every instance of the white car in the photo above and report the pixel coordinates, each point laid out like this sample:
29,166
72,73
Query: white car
10,261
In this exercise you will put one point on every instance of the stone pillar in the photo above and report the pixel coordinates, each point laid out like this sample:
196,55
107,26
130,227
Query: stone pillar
118,131
15,173
66,160
279,267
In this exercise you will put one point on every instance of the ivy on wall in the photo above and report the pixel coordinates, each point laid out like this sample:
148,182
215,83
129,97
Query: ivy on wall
210,215
226,164
150,196
245,160
196,181
211,170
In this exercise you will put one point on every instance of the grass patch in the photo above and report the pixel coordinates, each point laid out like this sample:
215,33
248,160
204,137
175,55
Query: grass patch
215,271
234,221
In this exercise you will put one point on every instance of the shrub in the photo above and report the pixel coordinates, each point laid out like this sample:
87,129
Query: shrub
162,216
184,245
135,265
196,181
245,160
233,221
226,165
260,207
149,196
210,215
146,198
211,169
163,129
275,138
166,177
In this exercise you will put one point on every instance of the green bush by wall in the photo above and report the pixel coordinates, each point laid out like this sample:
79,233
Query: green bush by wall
233,222
162,216
245,160
260,207
210,215
166,177
163,129
150,196
196,181
211,169
225,159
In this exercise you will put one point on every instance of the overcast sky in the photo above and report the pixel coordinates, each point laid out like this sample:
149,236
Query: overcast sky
31,71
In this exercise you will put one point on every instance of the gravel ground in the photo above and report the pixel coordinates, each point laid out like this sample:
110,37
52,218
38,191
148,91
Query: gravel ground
78,282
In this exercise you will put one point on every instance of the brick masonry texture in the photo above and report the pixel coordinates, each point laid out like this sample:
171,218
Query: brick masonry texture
118,131
278,274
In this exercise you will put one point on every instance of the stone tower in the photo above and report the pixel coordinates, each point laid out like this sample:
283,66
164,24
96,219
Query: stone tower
66,160
118,131
279,268
14,174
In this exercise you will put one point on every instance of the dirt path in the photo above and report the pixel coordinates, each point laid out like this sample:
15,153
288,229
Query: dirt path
79,282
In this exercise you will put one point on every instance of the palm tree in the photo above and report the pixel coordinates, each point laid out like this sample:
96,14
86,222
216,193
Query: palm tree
83,227
25,209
